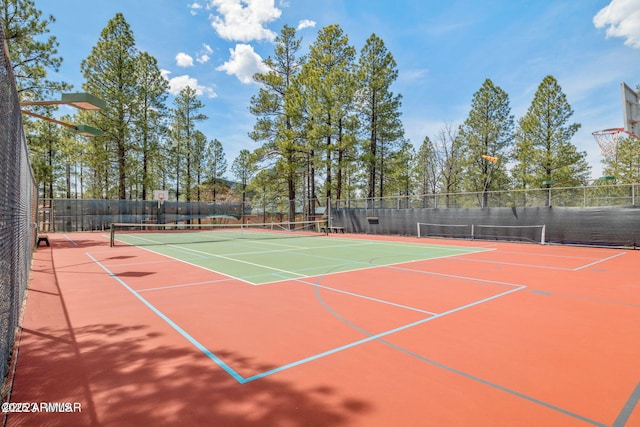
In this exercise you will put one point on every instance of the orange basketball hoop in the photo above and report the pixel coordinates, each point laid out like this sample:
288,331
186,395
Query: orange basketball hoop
608,140
491,159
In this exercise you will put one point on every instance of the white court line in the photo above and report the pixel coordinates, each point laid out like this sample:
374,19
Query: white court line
191,264
453,276
546,255
353,294
73,242
237,260
204,255
183,285
370,267
599,261
548,267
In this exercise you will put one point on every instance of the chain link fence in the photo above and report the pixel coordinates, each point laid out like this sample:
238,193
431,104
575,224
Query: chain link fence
18,207
597,195
66,215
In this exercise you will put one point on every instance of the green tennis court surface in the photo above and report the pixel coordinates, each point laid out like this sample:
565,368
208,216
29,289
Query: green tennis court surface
262,260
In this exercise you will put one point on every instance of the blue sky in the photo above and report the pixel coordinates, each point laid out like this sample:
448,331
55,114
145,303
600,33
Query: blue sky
444,51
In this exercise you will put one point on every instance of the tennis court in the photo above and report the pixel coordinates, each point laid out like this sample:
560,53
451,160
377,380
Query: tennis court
170,327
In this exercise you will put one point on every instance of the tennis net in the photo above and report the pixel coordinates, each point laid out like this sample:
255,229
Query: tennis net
172,234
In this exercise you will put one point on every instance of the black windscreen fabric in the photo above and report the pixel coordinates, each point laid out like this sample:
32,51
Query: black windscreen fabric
605,226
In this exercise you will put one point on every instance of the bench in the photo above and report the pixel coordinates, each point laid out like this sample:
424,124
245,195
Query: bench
44,239
333,229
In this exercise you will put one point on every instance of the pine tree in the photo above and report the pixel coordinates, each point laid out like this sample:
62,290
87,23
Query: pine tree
216,166
46,156
31,57
625,164
110,74
185,115
200,161
426,170
149,127
274,123
379,111
243,168
488,130
400,177
328,85
544,150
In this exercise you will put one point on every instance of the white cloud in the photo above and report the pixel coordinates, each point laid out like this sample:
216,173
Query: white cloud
184,60
204,55
204,58
244,20
176,84
195,7
622,19
306,23
413,75
243,63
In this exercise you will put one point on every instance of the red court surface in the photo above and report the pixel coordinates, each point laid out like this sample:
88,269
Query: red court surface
519,335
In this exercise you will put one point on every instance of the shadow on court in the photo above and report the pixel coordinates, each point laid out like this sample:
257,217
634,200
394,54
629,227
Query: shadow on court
130,374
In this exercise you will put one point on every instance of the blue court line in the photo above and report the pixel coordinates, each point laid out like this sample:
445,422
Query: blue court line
171,323
242,380
379,335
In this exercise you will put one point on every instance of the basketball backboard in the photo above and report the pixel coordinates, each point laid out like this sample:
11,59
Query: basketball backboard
161,196
630,109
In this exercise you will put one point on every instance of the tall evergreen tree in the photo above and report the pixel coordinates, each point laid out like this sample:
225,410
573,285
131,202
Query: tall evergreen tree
523,171
488,130
329,87
379,110
149,126
400,176
110,74
216,166
47,159
545,140
243,168
274,123
185,115
625,164
426,168
31,56
200,162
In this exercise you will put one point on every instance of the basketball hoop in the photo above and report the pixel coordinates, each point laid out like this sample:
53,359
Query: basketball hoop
608,140
491,159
